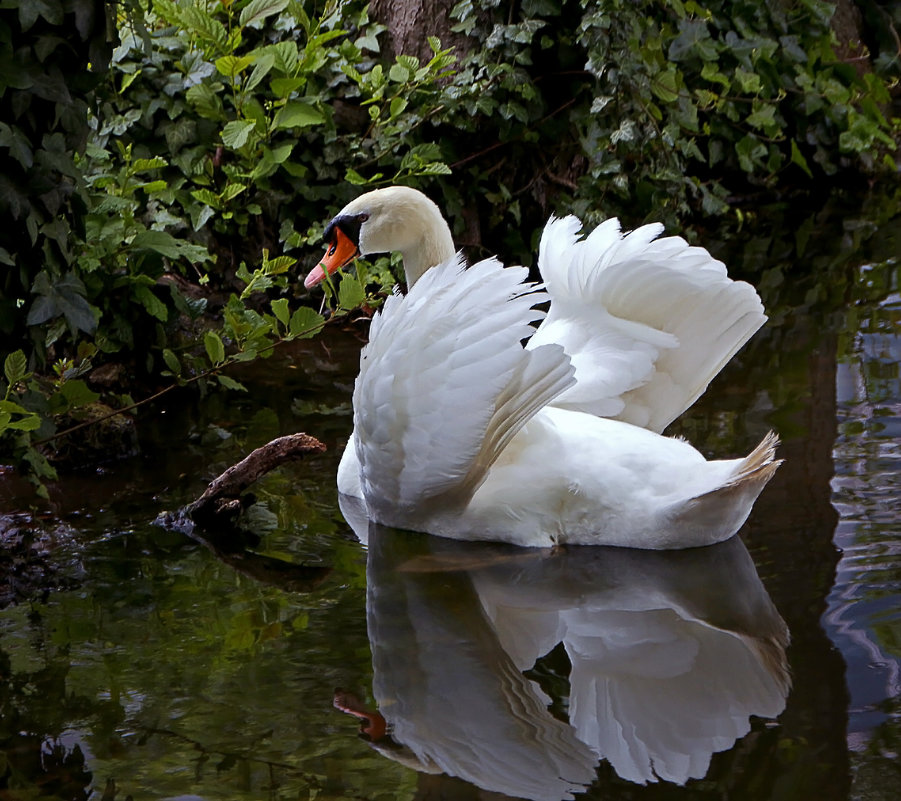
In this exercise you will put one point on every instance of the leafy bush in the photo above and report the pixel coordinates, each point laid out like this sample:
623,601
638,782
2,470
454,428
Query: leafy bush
656,109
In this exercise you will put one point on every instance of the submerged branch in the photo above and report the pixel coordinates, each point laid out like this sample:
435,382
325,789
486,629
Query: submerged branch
221,499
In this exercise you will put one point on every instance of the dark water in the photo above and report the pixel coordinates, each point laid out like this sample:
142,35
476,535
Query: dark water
164,670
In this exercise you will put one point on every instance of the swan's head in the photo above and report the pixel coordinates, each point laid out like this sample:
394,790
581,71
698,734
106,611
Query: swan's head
397,218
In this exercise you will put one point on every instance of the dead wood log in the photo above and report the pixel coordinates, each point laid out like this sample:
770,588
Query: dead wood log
221,501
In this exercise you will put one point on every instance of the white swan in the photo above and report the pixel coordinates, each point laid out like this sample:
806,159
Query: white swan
459,431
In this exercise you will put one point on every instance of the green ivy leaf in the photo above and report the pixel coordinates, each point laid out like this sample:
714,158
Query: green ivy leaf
763,117
62,297
666,86
798,158
749,82
18,144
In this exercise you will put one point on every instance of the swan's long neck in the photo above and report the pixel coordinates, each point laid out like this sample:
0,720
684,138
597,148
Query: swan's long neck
430,240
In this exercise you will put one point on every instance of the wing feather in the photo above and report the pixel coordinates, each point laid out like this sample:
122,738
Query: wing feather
647,322
444,384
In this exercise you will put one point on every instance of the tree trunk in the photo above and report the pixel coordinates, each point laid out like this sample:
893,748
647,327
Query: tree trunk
411,22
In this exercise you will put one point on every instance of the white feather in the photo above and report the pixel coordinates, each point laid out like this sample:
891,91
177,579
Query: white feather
455,340
647,322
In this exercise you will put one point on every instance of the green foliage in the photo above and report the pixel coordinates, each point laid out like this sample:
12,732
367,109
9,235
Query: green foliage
215,132
657,109
44,89
263,112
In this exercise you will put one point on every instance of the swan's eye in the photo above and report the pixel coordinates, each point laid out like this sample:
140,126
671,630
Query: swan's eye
333,248
363,217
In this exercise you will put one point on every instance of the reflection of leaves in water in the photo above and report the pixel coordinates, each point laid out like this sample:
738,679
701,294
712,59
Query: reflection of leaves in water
171,639
306,408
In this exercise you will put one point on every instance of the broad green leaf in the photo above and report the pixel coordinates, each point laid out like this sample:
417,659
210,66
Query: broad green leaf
353,177
15,367
279,265
280,153
235,133
257,10
286,56
158,241
281,311
207,197
305,322
350,293
230,383
260,70
140,165
171,361
283,87
230,66
296,114
152,303
398,104
435,168
231,191
31,422
214,347
398,73
155,186
76,393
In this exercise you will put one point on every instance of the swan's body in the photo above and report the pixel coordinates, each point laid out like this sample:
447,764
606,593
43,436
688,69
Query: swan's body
462,432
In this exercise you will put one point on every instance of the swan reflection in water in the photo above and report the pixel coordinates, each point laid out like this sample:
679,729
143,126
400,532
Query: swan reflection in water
671,655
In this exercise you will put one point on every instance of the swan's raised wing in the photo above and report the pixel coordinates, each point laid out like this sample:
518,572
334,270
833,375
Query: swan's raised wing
647,322
444,384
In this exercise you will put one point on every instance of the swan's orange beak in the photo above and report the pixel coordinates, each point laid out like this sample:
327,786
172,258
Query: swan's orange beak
340,252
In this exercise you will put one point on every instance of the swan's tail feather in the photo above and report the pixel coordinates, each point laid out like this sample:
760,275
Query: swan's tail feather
726,508
759,465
